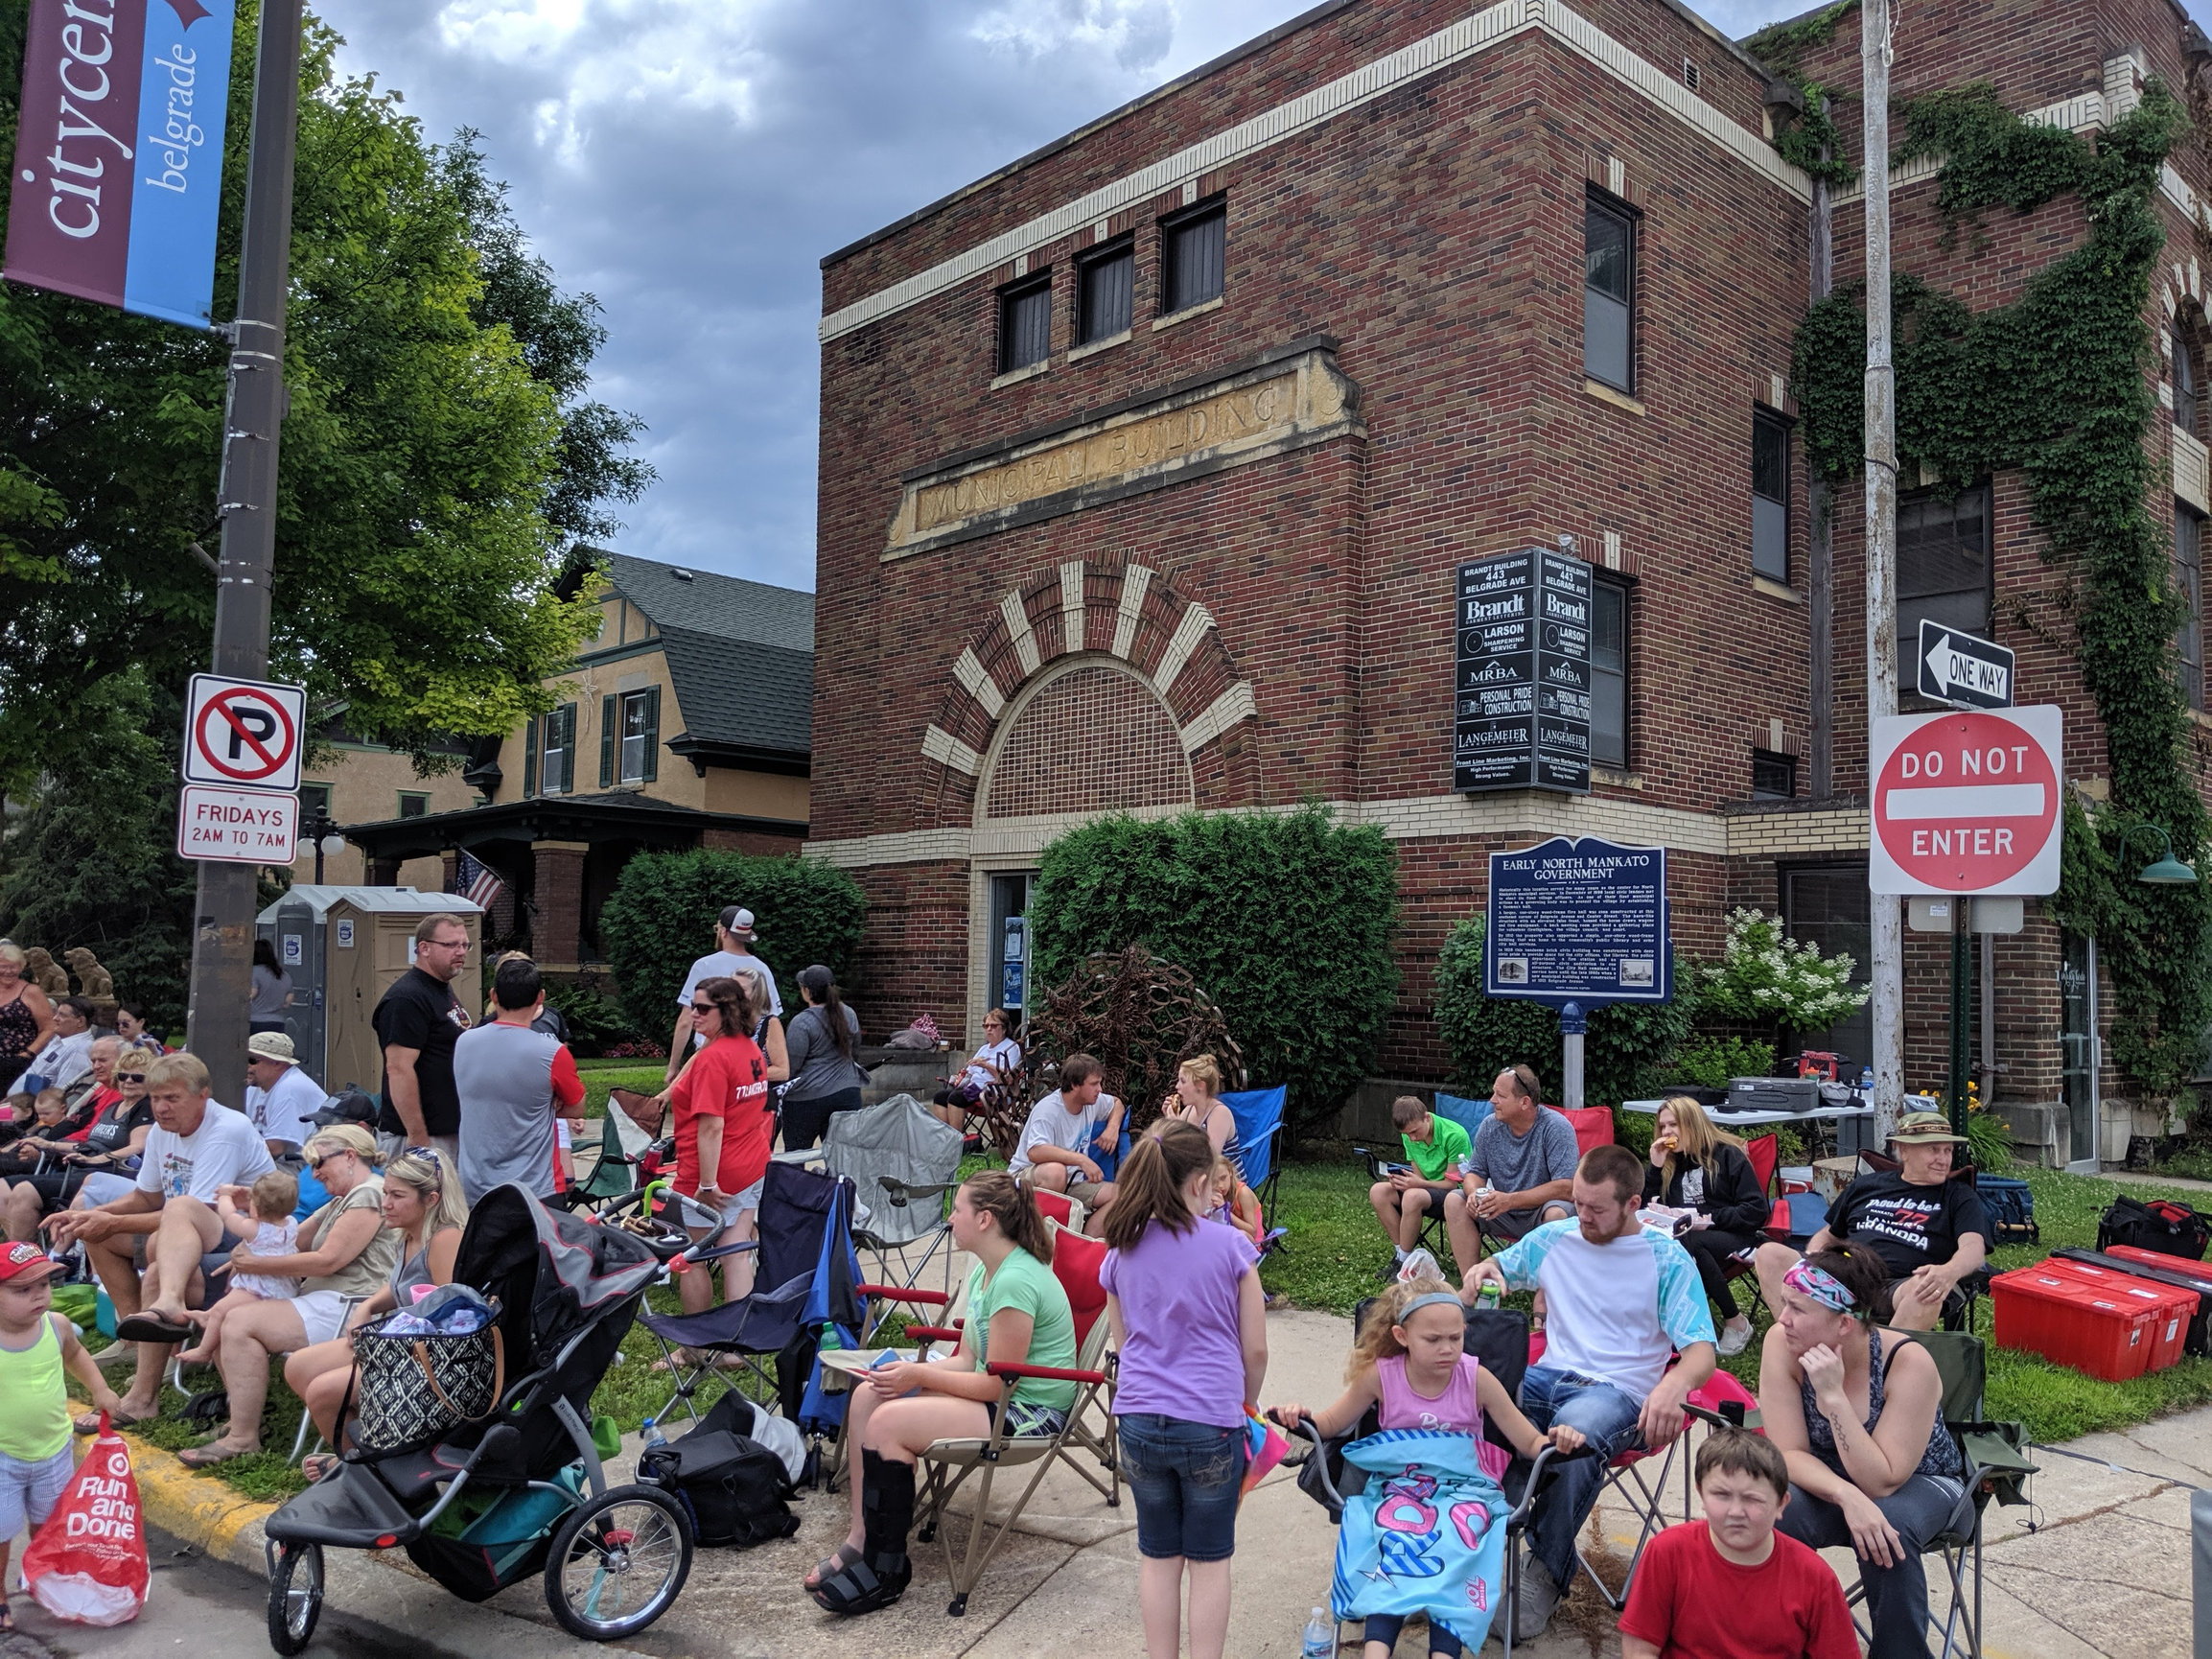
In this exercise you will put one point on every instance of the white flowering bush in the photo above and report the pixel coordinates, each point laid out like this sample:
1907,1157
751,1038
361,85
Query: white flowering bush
1767,978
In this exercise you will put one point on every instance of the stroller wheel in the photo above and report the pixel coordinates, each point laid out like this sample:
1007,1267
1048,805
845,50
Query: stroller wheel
294,1597
618,1562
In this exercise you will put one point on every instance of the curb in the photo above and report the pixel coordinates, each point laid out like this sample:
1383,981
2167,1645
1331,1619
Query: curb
199,1509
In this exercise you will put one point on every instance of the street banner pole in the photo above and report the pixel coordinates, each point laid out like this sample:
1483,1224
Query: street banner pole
1887,970
222,934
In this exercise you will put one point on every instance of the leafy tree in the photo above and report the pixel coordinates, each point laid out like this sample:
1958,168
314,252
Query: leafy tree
437,455
1285,921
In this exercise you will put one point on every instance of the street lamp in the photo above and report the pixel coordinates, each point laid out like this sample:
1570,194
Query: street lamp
321,828
2166,871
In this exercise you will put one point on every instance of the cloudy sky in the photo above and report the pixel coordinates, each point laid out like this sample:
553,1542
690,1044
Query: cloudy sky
689,162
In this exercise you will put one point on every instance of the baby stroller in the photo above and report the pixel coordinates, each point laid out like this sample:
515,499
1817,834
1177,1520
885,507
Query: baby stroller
521,1490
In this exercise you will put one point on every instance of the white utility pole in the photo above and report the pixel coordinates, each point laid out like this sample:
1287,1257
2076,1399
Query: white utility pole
1887,969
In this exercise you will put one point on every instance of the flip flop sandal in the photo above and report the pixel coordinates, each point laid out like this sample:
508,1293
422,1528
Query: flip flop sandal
153,1328
208,1455
860,1589
829,1566
6,1618
316,1464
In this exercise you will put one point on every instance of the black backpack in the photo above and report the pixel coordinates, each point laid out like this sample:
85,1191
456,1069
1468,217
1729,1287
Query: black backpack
2172,1229
733,1487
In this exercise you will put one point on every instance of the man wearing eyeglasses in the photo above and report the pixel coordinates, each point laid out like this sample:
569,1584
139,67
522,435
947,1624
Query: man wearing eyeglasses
418,1021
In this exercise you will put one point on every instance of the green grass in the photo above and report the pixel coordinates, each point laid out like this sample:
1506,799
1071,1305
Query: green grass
2191,1163
623,1074
1336,1249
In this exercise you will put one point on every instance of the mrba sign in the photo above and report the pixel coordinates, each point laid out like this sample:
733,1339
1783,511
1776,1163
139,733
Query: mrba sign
118,165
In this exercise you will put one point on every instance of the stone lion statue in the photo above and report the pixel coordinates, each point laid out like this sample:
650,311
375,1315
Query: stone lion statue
92,979
49,975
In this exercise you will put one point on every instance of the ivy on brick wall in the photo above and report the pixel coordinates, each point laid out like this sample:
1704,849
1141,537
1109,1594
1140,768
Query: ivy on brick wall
2055,384
1810,141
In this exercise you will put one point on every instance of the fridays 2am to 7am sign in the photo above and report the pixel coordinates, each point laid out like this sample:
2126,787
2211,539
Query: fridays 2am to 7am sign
118,165
1968,803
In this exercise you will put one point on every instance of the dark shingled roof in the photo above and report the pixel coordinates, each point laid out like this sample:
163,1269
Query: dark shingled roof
740,654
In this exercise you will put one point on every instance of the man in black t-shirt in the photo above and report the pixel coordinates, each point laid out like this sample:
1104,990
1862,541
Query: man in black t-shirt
417,1023
1931,1231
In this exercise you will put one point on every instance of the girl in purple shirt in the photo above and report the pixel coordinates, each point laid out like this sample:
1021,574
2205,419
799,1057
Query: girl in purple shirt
1189,1323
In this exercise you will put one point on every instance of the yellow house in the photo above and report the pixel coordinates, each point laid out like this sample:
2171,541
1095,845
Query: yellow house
686,722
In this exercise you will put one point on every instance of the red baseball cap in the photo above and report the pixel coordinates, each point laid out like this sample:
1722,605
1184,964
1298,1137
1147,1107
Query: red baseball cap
18,1259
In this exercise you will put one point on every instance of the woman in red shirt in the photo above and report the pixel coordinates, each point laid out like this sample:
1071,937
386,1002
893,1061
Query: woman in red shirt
724,1129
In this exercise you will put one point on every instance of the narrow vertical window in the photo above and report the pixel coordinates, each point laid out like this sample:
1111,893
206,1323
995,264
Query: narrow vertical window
634,737
1609,674
1105,292
1770,499
2185,390
2189,583
1025,325
1194,252
1608,295
1944,569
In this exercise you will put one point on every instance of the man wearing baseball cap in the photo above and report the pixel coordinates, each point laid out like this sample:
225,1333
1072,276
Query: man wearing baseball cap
1931,1231
279,1097
733,955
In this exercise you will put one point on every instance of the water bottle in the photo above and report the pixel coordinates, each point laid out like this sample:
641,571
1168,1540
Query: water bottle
1321,1640
651,1430
1487,1295
1866,1079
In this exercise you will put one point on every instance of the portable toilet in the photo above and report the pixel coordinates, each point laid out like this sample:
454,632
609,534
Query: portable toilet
344,948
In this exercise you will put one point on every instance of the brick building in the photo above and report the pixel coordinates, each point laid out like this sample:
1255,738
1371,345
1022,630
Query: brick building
1146,463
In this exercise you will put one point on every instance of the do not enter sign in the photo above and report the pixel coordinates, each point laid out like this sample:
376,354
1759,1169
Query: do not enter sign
1967,802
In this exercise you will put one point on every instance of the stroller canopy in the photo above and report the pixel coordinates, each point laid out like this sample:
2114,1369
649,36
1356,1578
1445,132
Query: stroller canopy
901,1138
553,1271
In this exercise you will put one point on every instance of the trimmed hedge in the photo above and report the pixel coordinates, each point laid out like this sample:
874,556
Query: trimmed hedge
660,919
1626,1051
1285,920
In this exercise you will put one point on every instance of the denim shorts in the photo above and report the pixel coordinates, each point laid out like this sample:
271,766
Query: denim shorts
1185,1476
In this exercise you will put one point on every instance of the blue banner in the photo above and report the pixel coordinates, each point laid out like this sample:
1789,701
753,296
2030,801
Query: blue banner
1578,921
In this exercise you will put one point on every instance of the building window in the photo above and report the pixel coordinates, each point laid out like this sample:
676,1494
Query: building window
1770,499
414,805
2189,581
1609,674
1105,292
636,738
314,802
557,766
1773,775
1608,295
1942,569
2185,389
1194,254
1828,905
1025,324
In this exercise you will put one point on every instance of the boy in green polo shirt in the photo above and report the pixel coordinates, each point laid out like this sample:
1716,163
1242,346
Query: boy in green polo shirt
1434,1148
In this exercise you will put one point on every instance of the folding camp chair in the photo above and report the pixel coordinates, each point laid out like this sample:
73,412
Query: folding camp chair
1995,1468
1764,1154
1058,1209
1258,1155
807,1277
628,1155
904,1165
947,1465
1958,1316
1592,1126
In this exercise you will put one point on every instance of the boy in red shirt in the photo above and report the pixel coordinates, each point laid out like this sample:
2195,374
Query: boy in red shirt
1729,1586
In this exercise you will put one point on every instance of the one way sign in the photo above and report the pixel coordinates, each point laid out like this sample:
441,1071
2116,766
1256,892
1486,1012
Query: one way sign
1962,670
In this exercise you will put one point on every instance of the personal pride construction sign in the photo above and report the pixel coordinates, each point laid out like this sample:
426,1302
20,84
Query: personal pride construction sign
119,153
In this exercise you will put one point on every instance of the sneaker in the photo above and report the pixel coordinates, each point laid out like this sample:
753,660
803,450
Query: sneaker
1538,1596
1734,1337
1389,1273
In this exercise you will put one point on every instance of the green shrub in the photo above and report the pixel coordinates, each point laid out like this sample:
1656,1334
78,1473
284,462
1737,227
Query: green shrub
1625,1054
660,919
1712,1062
1989,1138
596,1021
1285,920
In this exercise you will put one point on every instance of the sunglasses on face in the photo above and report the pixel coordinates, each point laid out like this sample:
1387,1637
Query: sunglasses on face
703,1008
131,1077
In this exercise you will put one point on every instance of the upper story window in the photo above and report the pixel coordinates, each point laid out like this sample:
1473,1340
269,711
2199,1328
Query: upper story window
314,802
2189,577
1106,292
630,738
1770,499
1608,294
1943,568
1773,775
557,757
2187,388
1193,255
1608,673
1025,324
413,805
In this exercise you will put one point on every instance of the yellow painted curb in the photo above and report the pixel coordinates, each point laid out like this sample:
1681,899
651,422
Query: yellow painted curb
195,1508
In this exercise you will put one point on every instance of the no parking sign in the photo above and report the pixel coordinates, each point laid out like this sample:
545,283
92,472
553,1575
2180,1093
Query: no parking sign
243,734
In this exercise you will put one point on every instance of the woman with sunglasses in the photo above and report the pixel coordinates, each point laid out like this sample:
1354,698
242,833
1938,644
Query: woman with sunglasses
723,1134
343,1252
94,1169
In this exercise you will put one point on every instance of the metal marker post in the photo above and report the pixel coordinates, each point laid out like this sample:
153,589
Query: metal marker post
1962,1008
1572,1026
223,933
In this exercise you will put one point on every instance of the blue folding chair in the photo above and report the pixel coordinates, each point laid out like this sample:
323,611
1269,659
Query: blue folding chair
1259,1115
1468,1114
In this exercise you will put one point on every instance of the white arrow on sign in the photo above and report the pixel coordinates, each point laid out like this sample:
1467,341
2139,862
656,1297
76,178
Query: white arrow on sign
1956,672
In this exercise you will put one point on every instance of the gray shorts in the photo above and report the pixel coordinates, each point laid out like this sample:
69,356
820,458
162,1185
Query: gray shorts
1515,1224
29,1491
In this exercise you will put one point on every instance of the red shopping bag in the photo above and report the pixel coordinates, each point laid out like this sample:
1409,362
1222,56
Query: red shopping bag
88,1562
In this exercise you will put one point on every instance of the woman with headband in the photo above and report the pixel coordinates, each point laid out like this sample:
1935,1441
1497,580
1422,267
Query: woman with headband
1870,1462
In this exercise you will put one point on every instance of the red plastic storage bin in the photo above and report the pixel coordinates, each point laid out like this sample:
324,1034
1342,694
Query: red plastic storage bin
2172,1305
2073,1324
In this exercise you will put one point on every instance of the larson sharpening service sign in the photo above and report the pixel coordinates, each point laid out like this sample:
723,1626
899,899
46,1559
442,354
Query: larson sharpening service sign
118,171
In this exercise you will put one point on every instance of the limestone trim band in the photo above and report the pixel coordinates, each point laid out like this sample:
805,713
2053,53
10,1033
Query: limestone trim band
1447,47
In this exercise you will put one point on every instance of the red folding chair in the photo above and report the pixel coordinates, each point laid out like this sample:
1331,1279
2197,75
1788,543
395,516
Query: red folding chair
1592,1127
1766,1154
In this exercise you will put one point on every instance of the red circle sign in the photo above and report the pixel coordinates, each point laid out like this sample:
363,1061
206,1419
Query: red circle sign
245,733
1966,803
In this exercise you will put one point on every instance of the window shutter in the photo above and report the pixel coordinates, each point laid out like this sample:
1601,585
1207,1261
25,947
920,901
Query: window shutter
652,767
530,758
607,740
568,748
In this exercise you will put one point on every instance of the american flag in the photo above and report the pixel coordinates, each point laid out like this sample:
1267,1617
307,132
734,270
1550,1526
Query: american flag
475,883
